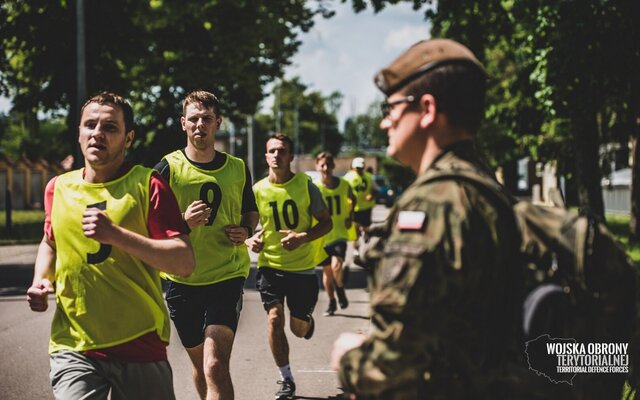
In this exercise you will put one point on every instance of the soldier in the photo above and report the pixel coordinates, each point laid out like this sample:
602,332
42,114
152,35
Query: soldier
443,310
289,251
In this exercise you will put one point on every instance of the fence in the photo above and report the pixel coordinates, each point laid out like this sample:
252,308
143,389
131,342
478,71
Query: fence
617,199
25,180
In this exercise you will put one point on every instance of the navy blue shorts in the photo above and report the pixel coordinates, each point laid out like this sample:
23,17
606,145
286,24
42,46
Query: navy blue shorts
300,290
363,217
335,249
193,308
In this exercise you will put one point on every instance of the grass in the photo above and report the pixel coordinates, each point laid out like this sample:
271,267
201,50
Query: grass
26,227
619,226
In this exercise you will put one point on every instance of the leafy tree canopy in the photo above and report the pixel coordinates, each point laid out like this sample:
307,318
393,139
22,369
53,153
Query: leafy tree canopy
153,52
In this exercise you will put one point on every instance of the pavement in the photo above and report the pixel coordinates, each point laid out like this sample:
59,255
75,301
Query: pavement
24,336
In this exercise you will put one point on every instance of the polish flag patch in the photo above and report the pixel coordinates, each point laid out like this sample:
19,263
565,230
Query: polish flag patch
411,220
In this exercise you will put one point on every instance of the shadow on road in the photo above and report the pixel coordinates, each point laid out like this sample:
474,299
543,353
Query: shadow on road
13,291
350,316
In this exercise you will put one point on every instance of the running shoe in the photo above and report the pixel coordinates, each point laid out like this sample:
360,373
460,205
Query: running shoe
332,308
287,390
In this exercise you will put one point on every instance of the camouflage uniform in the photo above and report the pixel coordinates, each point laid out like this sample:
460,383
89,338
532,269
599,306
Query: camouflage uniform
443,307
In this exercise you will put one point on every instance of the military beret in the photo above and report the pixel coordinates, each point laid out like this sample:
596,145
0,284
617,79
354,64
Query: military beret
420,58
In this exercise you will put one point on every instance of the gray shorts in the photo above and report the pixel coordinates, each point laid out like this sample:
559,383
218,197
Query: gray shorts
76,376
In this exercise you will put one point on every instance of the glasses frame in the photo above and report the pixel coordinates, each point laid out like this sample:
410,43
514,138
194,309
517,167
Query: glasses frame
387,106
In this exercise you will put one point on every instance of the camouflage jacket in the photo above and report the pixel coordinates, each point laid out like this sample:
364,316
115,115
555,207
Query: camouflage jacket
443,307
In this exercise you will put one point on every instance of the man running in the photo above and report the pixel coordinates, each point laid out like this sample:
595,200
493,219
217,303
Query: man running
289,251
214,193
341,201
109,228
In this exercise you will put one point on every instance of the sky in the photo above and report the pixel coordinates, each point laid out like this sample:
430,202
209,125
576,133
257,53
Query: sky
344,52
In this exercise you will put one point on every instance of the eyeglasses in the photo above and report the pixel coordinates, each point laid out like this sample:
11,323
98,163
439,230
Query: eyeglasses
387,106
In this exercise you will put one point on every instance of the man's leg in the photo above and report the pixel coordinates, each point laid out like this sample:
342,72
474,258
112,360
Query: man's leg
76,376
218,343
197,371
302,297
336,266
277,338
270,285
336,269
300,327
153,380
187,312
223,306
327,282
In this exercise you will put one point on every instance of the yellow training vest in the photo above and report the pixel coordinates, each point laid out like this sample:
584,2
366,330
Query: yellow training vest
217,259
285,206
104,296
339,204
362,186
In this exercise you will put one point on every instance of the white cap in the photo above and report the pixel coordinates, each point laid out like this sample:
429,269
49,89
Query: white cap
357,162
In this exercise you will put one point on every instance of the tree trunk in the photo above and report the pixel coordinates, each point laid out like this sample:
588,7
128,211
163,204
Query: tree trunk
634,224
588,164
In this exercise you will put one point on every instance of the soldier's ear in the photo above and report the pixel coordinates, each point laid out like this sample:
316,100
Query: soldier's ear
429,109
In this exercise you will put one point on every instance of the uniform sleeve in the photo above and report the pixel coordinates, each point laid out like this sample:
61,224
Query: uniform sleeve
165,219
164,169
248,197
48,204
317,202
422,292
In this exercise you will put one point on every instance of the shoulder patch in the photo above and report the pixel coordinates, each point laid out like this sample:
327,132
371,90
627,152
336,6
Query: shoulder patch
411,220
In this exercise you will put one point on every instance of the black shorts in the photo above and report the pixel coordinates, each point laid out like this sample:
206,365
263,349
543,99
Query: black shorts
300,290
337,248
193,308
363,217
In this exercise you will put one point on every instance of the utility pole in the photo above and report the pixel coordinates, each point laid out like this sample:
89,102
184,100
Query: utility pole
278,101
296,135
250,146
81,69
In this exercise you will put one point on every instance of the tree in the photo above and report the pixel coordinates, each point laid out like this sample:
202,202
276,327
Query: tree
363,130
563,74
153,52
313,113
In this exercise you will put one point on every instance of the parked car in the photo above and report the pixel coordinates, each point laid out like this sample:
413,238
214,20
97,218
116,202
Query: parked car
385,194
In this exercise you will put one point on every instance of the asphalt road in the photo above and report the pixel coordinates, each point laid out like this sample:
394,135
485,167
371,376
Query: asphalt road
24,363
24,335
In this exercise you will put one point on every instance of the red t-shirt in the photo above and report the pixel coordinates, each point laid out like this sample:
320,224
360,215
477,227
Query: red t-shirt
164,221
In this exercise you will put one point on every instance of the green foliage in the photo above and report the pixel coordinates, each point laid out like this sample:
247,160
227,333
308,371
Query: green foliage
363,131
313,112
151,52
47,141
619,226
560,78
26,227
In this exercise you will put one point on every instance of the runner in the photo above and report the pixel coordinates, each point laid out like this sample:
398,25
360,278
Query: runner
341,201
109,228
289,251
214,192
